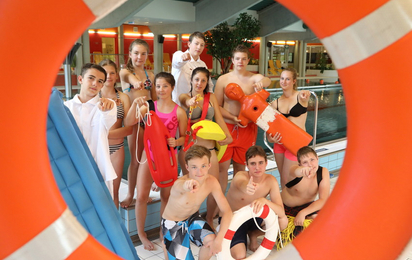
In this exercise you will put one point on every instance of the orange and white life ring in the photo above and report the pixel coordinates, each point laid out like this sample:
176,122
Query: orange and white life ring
366,40
35,220
241,216
371,36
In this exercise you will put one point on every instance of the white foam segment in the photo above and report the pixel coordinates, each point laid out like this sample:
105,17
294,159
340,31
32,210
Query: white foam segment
101,8
57,241
267,116
371,34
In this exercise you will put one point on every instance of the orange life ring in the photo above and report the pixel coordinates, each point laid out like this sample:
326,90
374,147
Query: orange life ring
241,216
33,211
368,213
372,133
255,108
164,171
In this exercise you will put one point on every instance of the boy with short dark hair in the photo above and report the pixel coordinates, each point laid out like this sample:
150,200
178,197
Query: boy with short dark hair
183,63
181,220
95,116
306,181
251,188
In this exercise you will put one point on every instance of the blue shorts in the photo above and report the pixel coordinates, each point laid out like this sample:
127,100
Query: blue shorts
178,234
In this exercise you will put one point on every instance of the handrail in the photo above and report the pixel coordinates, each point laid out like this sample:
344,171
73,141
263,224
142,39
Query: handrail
315,123
307,87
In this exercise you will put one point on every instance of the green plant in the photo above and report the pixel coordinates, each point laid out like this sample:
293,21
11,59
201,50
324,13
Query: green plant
221,40
322,63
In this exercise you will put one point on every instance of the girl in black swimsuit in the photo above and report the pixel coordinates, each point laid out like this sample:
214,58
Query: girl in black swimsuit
293,105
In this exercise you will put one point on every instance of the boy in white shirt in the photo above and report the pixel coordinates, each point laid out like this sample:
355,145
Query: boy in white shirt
183,63
94,117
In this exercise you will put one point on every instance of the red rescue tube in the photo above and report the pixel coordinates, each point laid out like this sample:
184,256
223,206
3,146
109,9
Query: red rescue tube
30,200
368,214
163,171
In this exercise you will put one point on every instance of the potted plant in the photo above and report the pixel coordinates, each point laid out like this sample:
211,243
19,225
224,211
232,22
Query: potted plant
221,40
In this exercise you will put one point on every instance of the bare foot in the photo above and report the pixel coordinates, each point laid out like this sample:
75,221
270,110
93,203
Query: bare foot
147,244
126,202
149,200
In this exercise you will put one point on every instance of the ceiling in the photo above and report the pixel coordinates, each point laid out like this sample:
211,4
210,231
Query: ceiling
187,16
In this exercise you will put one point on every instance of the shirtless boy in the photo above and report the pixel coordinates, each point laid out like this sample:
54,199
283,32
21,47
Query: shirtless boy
252,187
243,137
181,220
306,181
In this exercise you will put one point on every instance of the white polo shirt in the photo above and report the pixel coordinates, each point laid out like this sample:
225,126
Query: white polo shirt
95,125
182,72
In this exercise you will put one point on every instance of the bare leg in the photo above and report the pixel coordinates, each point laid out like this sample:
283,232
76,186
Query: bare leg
238,167
134,165
253,235
164,198
204,252
211,203
144,182
117,159
286,169
279,158
181,161
238,251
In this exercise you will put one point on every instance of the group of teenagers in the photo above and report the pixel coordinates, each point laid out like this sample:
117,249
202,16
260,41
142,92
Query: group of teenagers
106,116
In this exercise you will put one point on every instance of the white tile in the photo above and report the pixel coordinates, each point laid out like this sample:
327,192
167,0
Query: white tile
142,253
154,257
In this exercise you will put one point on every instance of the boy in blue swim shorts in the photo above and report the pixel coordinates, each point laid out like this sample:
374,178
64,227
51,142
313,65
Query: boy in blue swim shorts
181,221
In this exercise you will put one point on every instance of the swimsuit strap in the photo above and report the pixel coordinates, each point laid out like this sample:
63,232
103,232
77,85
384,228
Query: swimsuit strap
294,182
319,175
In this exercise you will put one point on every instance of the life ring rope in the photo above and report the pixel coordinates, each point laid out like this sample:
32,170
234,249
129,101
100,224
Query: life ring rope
140,117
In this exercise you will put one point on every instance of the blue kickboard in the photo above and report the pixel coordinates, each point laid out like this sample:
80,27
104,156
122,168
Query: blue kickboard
80,182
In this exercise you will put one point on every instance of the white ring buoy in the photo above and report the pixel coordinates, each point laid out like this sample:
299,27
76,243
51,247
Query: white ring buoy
241,216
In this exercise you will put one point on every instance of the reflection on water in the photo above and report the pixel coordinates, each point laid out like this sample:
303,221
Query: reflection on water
331,113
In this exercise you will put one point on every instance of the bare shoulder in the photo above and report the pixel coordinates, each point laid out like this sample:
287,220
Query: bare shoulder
211,182
271,180
151,74
180,111
123,96
124,72
325,173
221,81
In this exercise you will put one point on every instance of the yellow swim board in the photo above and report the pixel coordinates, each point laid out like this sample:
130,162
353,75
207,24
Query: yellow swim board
211,131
